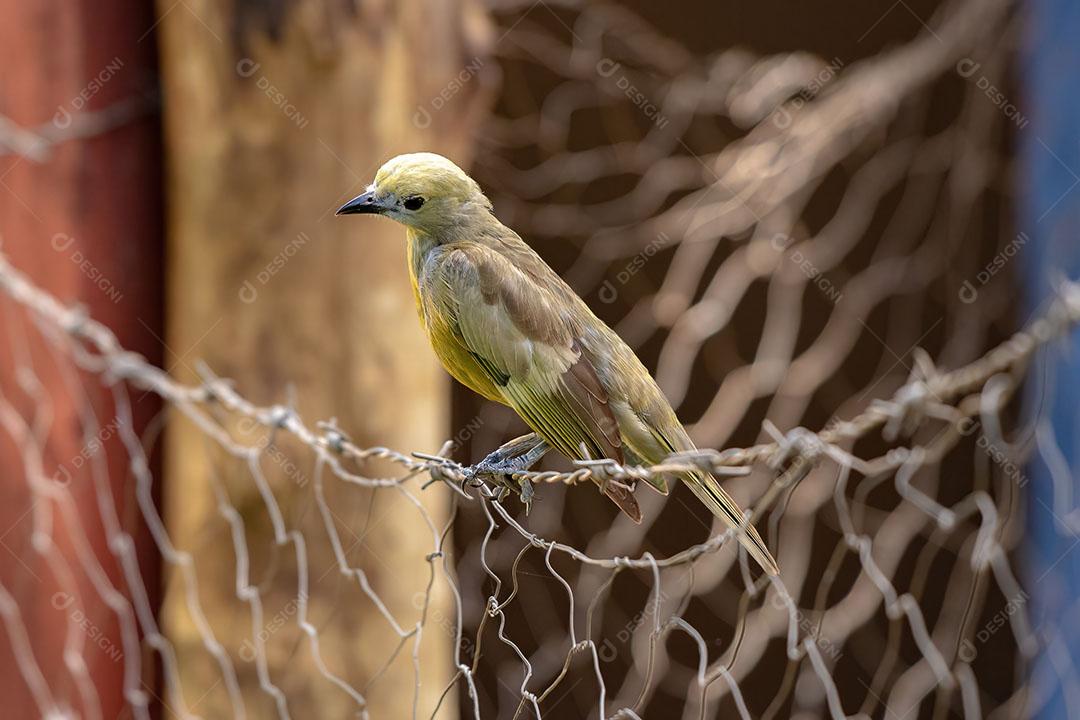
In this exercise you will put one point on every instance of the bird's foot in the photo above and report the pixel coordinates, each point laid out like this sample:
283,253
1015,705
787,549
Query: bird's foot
499,467
500,473
526,493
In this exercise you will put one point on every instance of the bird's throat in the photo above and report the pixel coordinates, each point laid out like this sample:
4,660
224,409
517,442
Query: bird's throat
418,246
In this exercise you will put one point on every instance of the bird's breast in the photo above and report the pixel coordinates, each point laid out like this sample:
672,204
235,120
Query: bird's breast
454,355
436,317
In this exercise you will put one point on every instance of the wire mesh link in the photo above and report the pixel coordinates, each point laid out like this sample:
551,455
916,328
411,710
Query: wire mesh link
954,397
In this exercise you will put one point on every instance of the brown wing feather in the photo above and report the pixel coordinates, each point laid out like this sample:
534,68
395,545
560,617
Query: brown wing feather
516,332
584,387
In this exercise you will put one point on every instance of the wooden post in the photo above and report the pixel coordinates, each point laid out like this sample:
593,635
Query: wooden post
276,114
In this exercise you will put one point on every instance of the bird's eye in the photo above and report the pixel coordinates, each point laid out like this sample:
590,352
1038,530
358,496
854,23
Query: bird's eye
413,203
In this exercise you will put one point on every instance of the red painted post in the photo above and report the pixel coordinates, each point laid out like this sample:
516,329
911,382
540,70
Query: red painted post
83,217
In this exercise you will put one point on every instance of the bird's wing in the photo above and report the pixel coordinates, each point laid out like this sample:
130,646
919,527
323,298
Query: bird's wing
524,340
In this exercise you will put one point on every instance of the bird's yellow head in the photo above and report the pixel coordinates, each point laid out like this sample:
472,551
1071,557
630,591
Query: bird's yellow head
424,191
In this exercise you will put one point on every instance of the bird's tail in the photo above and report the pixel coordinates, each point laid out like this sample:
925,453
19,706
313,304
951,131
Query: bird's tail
722,505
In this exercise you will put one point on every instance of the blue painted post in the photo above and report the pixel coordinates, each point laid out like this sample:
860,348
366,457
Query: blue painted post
1050,216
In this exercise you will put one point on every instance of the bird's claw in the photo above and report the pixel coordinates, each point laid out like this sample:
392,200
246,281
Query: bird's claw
526,493
490,469
501,474
499,467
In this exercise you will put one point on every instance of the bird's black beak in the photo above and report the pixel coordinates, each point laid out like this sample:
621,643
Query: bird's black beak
365,204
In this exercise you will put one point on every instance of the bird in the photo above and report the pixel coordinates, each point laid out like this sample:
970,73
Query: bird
505,325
